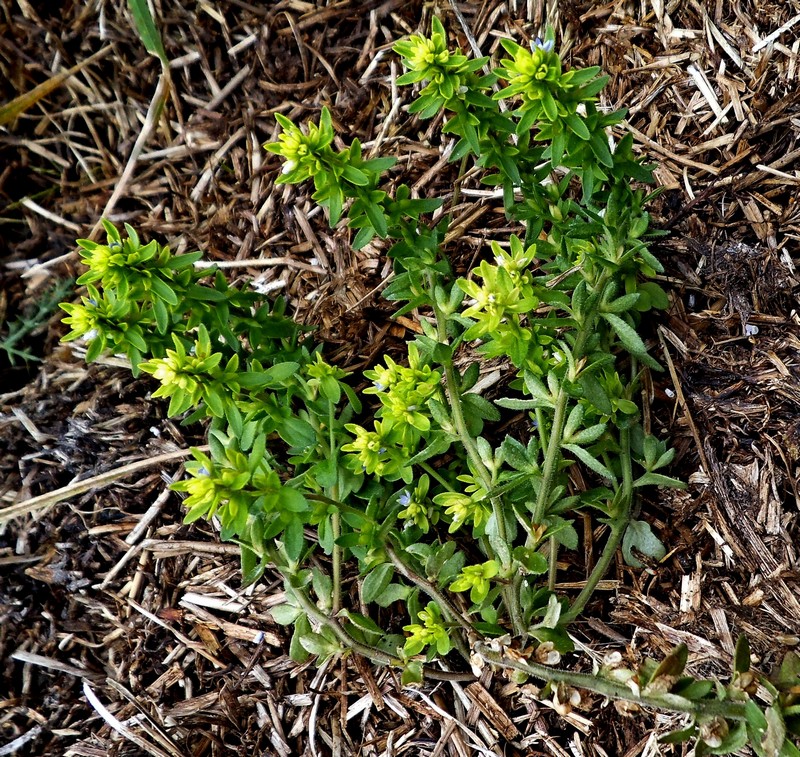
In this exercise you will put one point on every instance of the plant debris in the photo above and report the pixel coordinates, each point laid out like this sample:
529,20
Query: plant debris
124,631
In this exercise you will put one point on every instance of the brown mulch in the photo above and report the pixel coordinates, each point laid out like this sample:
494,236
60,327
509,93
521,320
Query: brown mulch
125,632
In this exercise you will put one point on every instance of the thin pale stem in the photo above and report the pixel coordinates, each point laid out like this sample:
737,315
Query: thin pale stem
552,564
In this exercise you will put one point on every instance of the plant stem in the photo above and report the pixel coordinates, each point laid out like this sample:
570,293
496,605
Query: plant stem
552,564
457,413
336,523
374,654
336,562
618,526
552,457
613,690
370,652
599,570
509,596
433,473
445,605
540,427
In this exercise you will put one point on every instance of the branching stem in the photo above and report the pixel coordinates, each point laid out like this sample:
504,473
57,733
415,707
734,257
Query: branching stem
613,690
457,413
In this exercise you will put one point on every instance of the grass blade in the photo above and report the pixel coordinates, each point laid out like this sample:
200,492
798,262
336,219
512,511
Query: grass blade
148,32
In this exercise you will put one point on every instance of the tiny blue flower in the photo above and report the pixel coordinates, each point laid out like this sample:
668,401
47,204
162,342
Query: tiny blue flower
405,498
203,471
377,384
546,46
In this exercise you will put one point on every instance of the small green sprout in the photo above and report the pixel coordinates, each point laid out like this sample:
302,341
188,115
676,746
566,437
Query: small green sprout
476,579
430,632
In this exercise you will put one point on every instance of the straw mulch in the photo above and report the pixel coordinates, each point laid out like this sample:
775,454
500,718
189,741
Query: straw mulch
123,631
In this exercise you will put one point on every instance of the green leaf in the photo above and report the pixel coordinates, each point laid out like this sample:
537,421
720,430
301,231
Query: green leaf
692,689
589,435
549,106
518,456
735,741
377,219
215,402
437,444
558,637
673,664
278,374
146,28
789,671
589,461
391,594
412,674
593,392
297,652
293,539
622,304
599,145
533,560
292,500
659,299
317,644
252,568
286,614
499,545
297,432
164,291
513,403
355,176
578,127
627,335
656,479
678,737
365,625
574,420
376,581
563,531
640,536
96,348
363,237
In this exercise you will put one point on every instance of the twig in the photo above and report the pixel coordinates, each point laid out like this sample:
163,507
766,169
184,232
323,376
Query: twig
30,506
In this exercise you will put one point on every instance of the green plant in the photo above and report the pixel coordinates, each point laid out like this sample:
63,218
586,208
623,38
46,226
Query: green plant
415,492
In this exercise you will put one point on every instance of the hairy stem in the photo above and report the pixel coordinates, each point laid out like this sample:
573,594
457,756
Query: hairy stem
619,524
374,654
449,610
457,412
613,690
552,457
434,474
336,522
